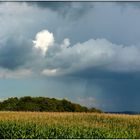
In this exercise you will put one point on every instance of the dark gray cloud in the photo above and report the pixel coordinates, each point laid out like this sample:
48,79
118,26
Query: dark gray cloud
127,4
72,10
15,52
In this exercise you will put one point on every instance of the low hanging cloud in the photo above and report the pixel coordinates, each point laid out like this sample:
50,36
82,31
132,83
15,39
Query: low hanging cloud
66,59
43,40
94,54
20,73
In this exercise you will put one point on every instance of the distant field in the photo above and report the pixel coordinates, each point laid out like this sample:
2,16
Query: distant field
30,125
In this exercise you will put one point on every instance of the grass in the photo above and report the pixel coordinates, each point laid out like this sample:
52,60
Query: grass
20,125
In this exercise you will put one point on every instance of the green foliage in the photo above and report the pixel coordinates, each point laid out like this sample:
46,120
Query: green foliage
66,125
94,110
10,104
14,130
28,103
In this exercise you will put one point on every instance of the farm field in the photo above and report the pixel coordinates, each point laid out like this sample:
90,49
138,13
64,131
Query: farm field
16,125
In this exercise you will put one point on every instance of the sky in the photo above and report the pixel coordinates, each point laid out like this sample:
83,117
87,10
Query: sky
86,52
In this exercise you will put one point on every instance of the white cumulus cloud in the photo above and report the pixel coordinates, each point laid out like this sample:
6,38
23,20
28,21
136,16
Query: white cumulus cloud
94,53
43,40
49,72
65,43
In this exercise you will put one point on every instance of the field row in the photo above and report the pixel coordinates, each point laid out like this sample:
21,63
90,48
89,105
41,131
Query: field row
68,125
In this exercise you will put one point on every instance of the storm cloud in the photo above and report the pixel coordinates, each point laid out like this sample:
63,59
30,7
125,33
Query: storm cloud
94,54
14,53
90,48
70,10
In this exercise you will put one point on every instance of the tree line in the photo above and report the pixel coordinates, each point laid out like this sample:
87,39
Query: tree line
28,103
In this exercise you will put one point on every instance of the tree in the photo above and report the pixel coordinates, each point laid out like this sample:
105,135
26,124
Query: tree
28,103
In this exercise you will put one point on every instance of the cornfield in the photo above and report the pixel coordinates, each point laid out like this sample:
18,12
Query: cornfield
43,125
